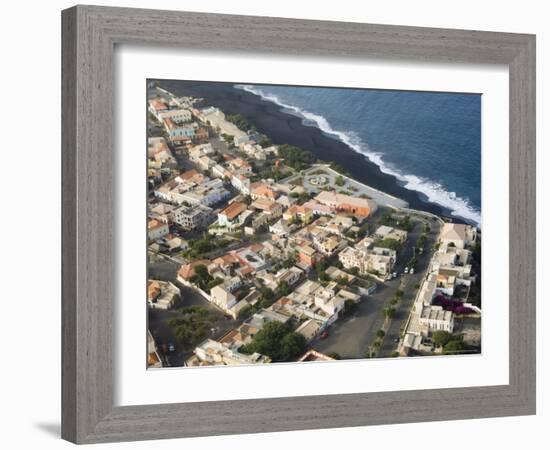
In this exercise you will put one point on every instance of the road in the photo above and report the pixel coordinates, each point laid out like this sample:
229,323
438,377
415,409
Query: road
351,336
158,319
389,344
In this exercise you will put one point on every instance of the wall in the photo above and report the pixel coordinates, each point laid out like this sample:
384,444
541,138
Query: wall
31,72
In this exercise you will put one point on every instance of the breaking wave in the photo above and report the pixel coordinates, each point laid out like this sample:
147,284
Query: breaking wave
433,191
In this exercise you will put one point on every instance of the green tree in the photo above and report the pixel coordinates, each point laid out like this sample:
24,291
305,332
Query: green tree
339,180
277,341
453,347
284,288
380,334
389,313
441,338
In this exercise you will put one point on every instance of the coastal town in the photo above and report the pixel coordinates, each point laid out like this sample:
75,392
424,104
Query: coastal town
260,253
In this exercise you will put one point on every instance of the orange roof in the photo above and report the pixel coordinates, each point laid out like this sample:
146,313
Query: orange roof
233,210
188,270
153,290
152,359
264,190
189,174
154,224
157,104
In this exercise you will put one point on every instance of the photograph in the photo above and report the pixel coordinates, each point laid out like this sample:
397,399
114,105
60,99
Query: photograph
297,223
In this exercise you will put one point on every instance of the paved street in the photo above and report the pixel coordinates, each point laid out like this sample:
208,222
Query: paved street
350,337
157,319
389,344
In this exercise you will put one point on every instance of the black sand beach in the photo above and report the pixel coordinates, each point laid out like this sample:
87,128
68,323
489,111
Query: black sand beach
283,128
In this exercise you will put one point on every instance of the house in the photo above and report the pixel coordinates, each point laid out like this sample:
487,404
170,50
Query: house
230,216
269,207
308,329
280,228
375,260
301,212
318,208
328,244
435,318
176,115
308,255
357,206
458,235
178,132
162,294
335,274
385,232
241,183
314,355
187,271
191,217
156,229
210,352
153,357
222,297
157,106
201,134
161,212
262,190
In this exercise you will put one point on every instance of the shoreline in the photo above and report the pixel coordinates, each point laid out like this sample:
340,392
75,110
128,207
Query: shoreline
285,128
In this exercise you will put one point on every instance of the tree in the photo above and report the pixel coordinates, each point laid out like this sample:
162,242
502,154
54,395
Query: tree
390,243
293,345
284,288
399,293
296,157
277,341
265,142
339,180
441,338
380,334
453,347
389,313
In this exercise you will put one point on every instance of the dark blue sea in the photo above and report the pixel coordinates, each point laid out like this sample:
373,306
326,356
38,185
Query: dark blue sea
431,142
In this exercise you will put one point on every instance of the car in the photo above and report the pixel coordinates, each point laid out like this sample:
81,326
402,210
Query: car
406,270
396,340
171,347
164,348
412,270
324,335
394,275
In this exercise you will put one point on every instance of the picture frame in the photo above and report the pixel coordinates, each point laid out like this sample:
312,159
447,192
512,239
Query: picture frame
89,37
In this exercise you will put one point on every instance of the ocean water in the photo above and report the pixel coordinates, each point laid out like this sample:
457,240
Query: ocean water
431,142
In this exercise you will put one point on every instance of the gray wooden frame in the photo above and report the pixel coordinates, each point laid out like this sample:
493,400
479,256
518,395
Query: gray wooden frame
89,36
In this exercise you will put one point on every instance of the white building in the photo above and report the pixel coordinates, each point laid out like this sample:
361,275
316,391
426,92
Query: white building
191,217
458,235
156,230
176,115
435,318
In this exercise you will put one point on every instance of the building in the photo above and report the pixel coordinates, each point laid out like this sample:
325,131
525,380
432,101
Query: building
308,329
241,183
157,106
435,318
222,297
301,212
210,352
267,206
314,355
156,229
179,132
230,216
162,294
458,235
385,232
153,357
176,115
374,260
262,190
187,271
191,217
346,203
